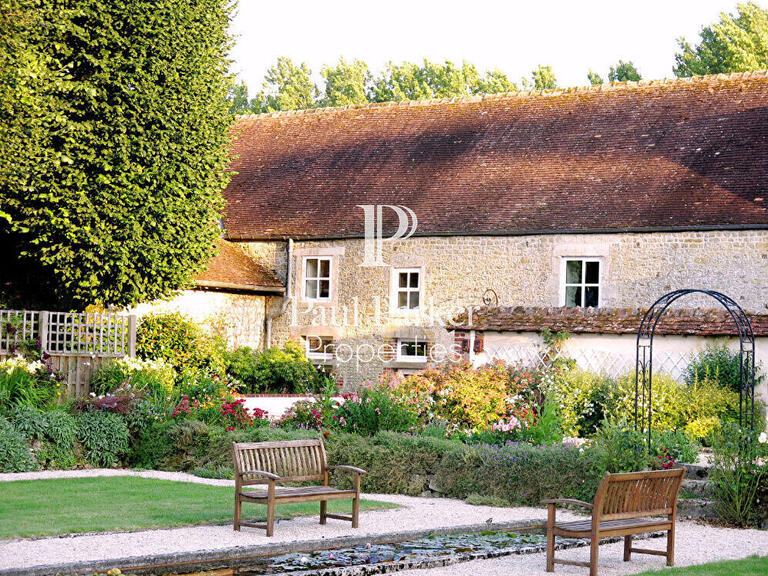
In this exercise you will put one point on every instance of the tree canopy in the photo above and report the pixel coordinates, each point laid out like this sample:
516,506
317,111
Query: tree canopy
737,43
113,146
623,72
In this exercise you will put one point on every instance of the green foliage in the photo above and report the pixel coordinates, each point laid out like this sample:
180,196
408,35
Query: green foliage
542,78
241,366
584,399
546,428
25,382
132,375
373,410
15,455
180,342
594,78
737,473
737,43
675,444
346,83
623,448
718,363
30,421
623,72
104,436
285,370
287,86
114,193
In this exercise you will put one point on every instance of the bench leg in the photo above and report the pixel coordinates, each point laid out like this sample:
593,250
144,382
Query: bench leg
355,510
270,517
671,547
627,548
238,511
551,538
593,554
323,511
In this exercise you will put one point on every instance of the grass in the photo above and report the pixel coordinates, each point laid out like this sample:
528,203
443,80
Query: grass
754,565
69,505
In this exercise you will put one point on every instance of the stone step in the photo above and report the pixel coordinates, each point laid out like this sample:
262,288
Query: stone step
698,488
696,471
693,508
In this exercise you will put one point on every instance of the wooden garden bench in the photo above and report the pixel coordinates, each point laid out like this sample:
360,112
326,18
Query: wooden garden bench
625,504
293,461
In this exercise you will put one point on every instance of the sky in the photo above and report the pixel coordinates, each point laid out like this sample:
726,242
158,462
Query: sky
514,36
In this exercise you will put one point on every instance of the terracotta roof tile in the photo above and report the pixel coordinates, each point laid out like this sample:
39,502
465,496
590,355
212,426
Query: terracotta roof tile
697,321
671,154
232,268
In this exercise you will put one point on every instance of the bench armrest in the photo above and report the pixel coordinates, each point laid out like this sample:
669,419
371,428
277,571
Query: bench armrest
567,501
352,469
259,473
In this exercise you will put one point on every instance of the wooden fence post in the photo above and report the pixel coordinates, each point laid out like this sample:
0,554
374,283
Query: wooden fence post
44,331
132,335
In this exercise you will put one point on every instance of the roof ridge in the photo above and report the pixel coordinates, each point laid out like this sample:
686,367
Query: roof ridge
613,86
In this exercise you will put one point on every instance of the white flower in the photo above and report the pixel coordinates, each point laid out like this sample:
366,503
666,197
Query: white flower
763,438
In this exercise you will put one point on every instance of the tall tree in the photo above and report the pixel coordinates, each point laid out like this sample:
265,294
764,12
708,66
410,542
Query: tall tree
594,78
117,193
346,83
542,78
737,43
409,81
237,97
623,72
287,86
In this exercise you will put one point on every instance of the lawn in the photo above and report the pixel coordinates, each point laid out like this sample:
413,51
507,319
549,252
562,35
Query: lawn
753,565
62,506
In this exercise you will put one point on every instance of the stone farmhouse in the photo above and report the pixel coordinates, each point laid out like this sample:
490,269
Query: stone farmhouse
569,209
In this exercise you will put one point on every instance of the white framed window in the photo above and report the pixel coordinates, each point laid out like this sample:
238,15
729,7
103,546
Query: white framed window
411,350
319,347
407,288
581,279
317,278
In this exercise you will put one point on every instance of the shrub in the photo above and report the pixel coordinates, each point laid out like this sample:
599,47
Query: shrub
585,401
737,474
241,366
285,370
675,445
15,455
28,382
179,341
719,364
58,450
622,448
30,422
466,397
104,436
134,375
373,410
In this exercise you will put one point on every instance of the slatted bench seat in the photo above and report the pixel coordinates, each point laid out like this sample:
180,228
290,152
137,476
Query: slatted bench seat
292,461
624,505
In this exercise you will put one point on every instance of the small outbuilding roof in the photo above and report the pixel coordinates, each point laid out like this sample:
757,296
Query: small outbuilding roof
233,269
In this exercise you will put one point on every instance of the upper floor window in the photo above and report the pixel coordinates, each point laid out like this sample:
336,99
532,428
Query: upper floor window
317,278
581,282
408,289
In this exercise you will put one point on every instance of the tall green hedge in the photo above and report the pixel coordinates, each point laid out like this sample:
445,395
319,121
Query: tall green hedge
113,146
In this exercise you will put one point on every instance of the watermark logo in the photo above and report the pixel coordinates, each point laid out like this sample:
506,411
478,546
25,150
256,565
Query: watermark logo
374,238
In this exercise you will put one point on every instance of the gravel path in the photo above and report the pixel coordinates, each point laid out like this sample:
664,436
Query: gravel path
415,514
91,473
696,544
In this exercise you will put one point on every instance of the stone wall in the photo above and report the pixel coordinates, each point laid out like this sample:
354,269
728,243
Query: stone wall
238,318
522,270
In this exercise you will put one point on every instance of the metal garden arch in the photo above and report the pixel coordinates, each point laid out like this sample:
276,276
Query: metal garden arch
644,367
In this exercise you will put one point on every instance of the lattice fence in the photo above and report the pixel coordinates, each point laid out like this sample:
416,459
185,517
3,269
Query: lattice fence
77,343
604,362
